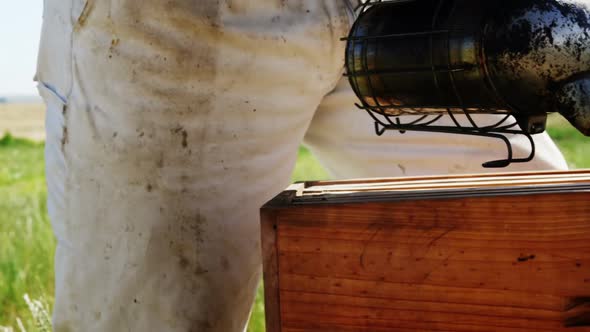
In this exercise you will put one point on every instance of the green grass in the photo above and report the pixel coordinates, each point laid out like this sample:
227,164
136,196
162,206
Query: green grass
26,240
575,146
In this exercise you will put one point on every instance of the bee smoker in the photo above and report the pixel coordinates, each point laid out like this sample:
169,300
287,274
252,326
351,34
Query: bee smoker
438,59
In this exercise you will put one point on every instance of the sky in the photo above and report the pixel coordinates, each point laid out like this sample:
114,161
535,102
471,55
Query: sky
20,28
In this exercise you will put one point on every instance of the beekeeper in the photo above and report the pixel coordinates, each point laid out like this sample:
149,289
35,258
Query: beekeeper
169,123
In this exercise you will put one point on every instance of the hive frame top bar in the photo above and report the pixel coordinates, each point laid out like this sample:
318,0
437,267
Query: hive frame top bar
439,187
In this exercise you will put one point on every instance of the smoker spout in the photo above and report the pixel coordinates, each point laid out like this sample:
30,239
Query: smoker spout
538,55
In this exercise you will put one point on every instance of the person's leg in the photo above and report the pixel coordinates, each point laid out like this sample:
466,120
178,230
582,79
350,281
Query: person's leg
169,124
344,140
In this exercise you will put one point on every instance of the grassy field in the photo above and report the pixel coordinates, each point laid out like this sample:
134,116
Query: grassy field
27,244
26,240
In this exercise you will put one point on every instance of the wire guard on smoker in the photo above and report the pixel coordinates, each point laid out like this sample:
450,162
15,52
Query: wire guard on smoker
420,65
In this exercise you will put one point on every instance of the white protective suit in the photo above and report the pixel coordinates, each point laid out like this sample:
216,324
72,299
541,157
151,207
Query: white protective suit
170,122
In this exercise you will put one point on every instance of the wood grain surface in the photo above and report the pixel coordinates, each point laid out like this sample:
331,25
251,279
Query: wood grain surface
268,230
506,263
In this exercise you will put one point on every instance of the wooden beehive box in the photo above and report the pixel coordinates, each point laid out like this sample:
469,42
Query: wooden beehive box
504,252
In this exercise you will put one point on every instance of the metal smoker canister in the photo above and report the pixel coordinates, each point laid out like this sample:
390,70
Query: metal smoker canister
526,57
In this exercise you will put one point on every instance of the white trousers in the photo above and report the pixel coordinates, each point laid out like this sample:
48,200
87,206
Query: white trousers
170,123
